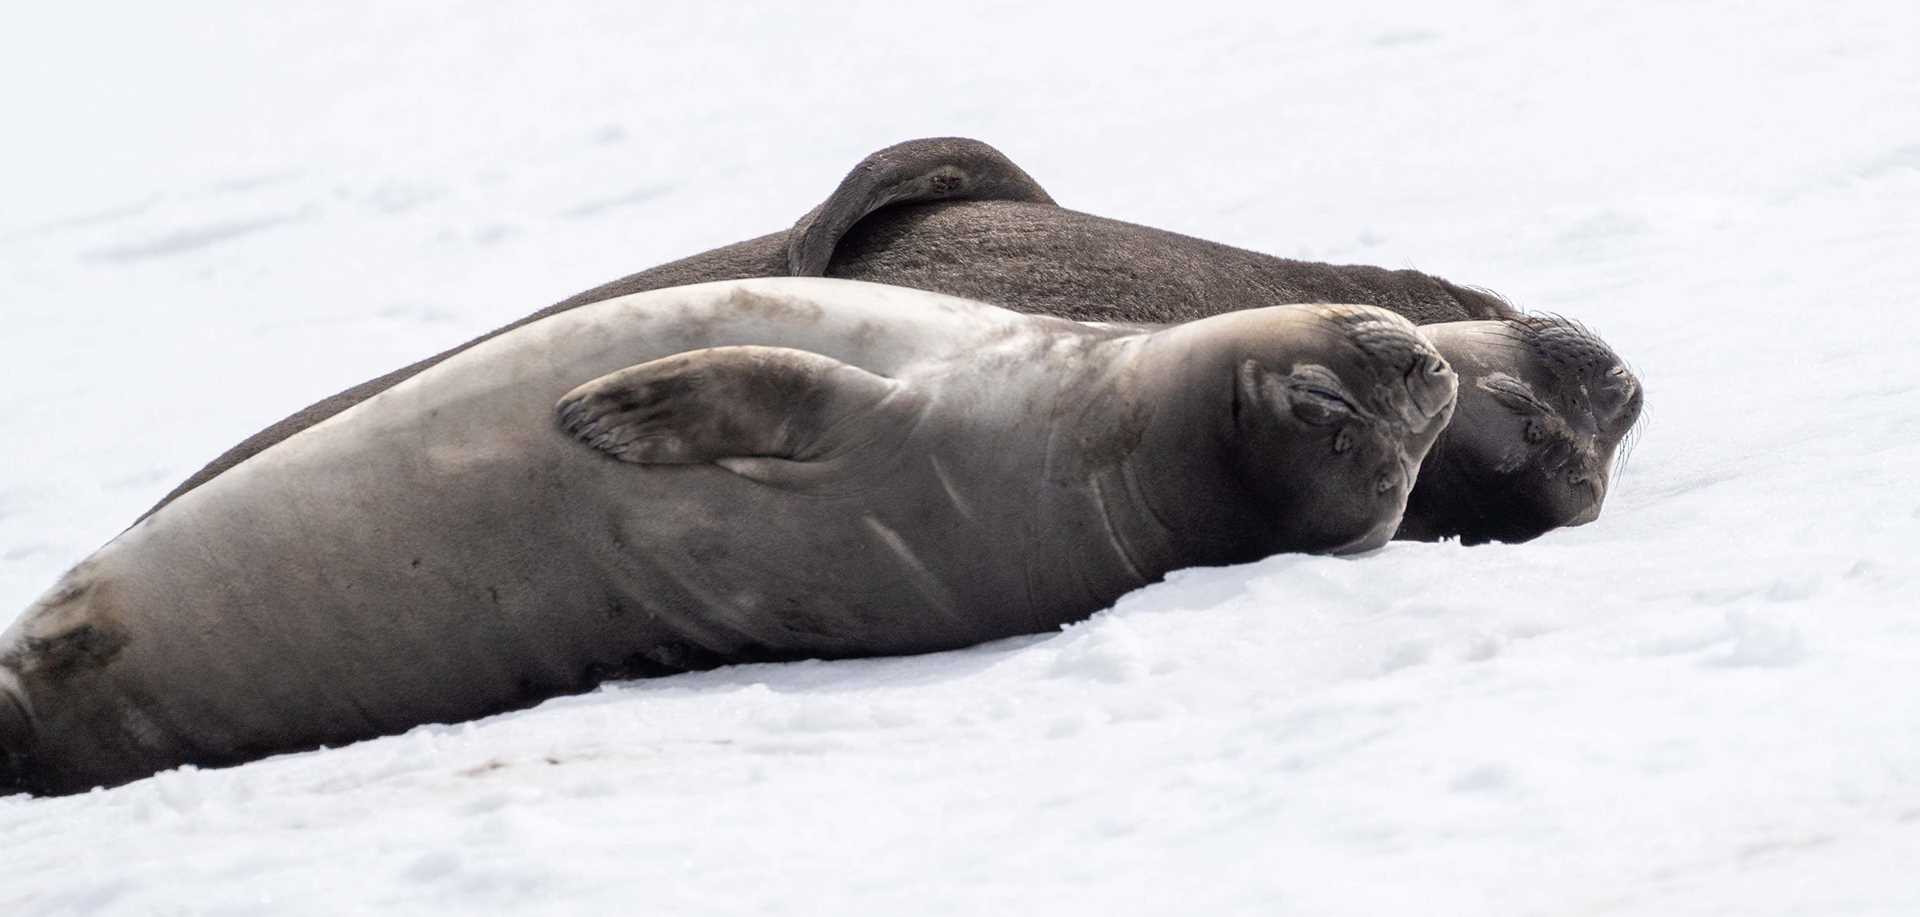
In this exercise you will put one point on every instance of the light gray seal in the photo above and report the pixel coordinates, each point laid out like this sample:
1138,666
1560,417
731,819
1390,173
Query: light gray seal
733,472
1545,404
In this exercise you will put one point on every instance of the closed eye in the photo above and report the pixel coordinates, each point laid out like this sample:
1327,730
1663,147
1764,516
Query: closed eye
1317,405
1513,395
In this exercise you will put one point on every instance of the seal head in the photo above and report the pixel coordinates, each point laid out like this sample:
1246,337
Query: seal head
1331,411
1544,408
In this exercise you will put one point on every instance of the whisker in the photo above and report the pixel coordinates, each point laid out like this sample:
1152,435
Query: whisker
1630,442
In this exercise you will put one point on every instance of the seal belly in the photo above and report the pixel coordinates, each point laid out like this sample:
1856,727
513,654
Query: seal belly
227,627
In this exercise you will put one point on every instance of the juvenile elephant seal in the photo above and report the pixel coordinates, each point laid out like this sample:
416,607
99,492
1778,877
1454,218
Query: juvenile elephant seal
1544,403
748,471
955,216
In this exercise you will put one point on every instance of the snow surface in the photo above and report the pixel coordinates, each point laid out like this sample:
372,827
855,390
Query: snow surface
1707,702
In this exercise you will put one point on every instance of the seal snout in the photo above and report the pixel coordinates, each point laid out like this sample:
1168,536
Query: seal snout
1431,387
1582,364
1616,398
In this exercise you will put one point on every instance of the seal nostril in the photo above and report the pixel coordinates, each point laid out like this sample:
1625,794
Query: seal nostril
1430,391
1384,484
1342,441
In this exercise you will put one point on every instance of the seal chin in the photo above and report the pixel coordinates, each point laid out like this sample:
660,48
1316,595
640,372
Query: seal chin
1589,514
1372,541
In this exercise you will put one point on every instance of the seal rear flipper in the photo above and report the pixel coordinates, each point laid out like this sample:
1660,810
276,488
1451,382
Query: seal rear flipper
932,169
722,403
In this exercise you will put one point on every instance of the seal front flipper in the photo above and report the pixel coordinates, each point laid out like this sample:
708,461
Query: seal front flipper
724,403
932,169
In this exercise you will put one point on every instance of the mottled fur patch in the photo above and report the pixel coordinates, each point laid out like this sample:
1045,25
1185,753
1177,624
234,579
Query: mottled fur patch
68,631
66,654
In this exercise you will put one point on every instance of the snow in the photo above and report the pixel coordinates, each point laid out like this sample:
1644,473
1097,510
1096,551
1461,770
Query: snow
1706,702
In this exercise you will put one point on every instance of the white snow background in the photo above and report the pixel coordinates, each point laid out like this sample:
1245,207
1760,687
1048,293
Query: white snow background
1707,702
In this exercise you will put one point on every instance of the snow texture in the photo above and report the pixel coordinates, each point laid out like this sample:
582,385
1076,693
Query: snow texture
1707,702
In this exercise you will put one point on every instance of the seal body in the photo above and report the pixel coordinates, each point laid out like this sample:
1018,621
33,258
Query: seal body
737,472
955,216
1012,252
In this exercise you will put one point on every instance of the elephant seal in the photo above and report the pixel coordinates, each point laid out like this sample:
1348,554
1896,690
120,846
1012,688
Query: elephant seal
1544,403
745,471
955,216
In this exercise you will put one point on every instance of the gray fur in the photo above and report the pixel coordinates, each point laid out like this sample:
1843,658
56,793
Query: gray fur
754,471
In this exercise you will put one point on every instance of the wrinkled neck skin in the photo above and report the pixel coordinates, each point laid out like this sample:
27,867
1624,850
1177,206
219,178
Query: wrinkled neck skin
1110,514
1168,479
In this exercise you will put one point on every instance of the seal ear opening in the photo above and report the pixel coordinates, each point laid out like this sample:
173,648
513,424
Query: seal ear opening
720,403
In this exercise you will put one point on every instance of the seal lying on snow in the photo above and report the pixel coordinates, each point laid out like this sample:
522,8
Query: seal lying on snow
1546,403
747,471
